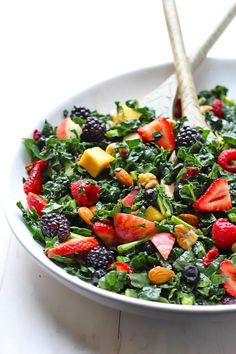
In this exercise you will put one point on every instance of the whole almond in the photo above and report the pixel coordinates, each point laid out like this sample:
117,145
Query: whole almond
160,275
124,177
190,219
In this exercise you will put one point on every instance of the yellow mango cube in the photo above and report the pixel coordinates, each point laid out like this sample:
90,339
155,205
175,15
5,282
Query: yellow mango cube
125,114
153,214
95,160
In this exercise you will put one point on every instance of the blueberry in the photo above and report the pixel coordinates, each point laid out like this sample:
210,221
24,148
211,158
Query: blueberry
190,275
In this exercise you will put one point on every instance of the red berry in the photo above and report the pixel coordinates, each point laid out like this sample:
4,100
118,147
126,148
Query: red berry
34,181
164,243
41,163
129,199
225,160
227,270
159,125
121,267
73,246
217,108
216,198
105,232
37,135
37,202
86,194
210,256
224,233
130,227
191,172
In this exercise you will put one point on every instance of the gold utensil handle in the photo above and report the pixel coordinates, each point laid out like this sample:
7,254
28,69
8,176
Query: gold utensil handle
187,90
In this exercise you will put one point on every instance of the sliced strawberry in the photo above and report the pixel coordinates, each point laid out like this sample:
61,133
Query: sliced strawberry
131,227
217,108
164,243
223,233
121,267
34,181
210,256
191,172
129,199
35,201
161,125
226,158
227,270
73,246
41,163
216,198
86,194
105,232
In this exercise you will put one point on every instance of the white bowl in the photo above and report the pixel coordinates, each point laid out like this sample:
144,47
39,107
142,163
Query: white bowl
102,97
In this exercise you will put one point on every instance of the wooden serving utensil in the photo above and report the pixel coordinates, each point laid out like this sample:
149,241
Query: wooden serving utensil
162,98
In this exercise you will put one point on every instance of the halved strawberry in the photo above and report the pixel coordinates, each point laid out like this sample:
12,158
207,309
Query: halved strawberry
37,202
227,270
211,255
86,194
41,163
129,199
159,125
223,233
164,243
130,227
216,198
73,246
34,181
121,267
105,232
226,158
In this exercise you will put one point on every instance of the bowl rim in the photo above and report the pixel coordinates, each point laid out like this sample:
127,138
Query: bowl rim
74,282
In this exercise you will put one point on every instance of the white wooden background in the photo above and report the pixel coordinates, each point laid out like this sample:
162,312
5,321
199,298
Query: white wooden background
51,49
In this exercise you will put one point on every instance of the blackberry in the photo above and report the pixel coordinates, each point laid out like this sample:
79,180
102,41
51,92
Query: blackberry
190,275
228,300
82,112
41,142
97,275
94,130
149,197
54,224
186,137
99,257
148,247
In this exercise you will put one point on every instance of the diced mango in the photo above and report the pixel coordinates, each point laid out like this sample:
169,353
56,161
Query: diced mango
95,160
125,114
153,214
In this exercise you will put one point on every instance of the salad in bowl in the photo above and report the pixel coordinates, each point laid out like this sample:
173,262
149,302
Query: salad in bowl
139,205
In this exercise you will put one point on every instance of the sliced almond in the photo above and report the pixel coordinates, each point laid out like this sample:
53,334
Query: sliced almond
86,215
160,275
185,237
190,219
124,177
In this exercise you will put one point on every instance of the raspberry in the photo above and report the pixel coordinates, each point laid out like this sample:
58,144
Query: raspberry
37,135
54,224
99,257
218,108
225,160
86,194
187,137
94,130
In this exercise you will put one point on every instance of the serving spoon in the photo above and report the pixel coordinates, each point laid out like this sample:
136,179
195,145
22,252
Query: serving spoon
162,99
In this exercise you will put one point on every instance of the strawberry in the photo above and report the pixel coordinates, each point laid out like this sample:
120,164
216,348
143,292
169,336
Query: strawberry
73,246
216,198
223,233
210,256
34,181
129,199
86,194
225,160
164,243
120,267
228,270
159,125
217,108
191,172
35,201
105,232
130,227
41,163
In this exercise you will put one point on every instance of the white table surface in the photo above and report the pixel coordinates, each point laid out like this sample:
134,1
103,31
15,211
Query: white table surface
51,49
